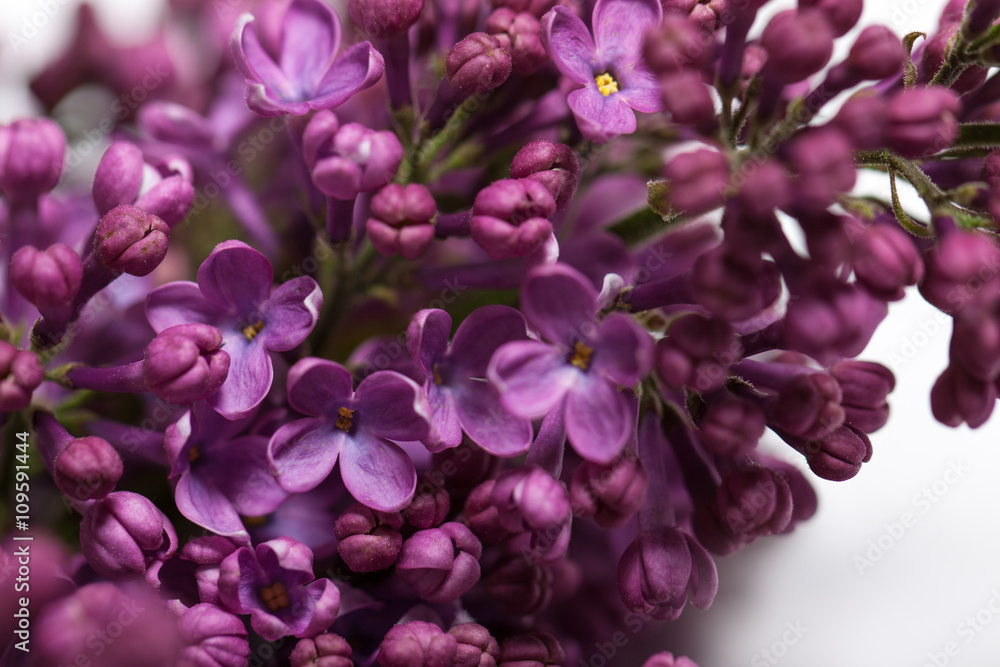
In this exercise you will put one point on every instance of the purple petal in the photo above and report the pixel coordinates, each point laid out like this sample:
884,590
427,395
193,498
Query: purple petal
204,504
601,118
391,405
642,91
302,454
569,44
253,61
377,472
620,27
317,387
291,313
357,68
704,576
560,303
487,423
249,379
170,199
180,302
322,598
237,277
310,37
446,431
427,338
532,377
622,350
239,469
481,333
598,419
264,102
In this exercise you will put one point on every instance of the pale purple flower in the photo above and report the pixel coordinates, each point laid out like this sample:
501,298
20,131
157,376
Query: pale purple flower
608,65
234,294
309,75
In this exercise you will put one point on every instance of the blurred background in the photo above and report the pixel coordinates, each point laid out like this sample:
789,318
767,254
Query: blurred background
901,565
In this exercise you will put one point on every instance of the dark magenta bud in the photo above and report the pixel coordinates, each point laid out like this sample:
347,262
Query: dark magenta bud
877,54
862,119
130,240
429,507
382,18
841,15
962,271
325,650
735,284
885,261
417,644
667,659
958,397
31,158
213,637
798,44
482,515
535,650
521,586
609,493
534,7
975,343
808,406
982,16
20,374
731,426
677,45
123,533
87,469
697,180
519,32
402,220
922,121
478,63
556,166
661,569
186,363
936,51
688,100
476,646
754,501
510,217
865,387
836,456
824,160
48,278
441,563
766,188
834,318
119,176
697,352
359,160
368,540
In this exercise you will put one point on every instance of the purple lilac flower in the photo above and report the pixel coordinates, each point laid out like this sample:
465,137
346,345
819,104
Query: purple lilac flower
234,293
356,426
608,66
309,75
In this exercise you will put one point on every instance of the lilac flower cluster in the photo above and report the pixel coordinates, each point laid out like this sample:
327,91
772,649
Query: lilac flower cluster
504,299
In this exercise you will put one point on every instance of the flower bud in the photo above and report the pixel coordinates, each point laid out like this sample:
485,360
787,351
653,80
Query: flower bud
361,160
521,586
754,501
661,569
798,44
958,397
922,121
476,646
317,137
130,240
975,343
841,15
20,375
383,18
731,426
186,363
677,45
89,468
838,455
823,159
935,52
834,318
808,405
865,386
31,158
697,352
535,650
877,54
429,507
441,563
862,120
698,180
688,100
518,32
556,166
482,515
326,650
417,644
368,540
885,261
213,637
122,533
119,176
478,63
510,217
983,14
962,271
49,278
735,284
610,493
402,220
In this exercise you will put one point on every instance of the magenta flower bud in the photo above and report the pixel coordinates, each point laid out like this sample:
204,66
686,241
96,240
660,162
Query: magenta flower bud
556,166
429,507
317,137
130,240
754,501
885,261
962,271
362,160
441,563
735,284
383,18
697,352
510,217
935,52
119,176
213,637
958,397
667,659
975,343
48,278
478,63
368,540
862,119
688,100
836,456
326,650
808,406
402,220
521,586
865,386
530,498
676,45
609,493
766,188
123,533
482,515
518,32
31,158
476,646
417,644
538,649
823,159
922,121
731,426
697,180
877,53
842,15
186,363
833,319
20,374
89,468
798,44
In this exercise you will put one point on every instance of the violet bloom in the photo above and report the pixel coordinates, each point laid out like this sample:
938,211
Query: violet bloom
275,584
234,294
581,368
460,400
355,426
609,66
309,74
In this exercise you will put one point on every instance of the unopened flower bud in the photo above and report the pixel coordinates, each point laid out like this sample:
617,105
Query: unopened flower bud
842,15
402,220
697,352
676,45
510,217
808,405
130,240
478,63
20,374
326,650
865,386
731,426
119,176
382,18
962,271
877,54
535,650
556,166
213,637
698,180
610,493
937,49
31,158
885,261
921,121
661,569
186,363
368,540
417,644
476,646
429,506
48,278
519,32
87,469
958,397
122,533
798,44
441,563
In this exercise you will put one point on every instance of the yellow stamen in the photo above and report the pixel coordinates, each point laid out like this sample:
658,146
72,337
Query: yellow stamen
344,417
193,454
437,376
251,331
581,356
275,597
606,84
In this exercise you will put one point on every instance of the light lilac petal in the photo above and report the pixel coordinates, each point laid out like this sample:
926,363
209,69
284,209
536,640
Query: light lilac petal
291,313
180,302
598,419
620,27
317,387
532,377
249,379
601,118
302,453
201,502
310,37
391,405
264,102
481,333
569,44
357,68
705,577
622,350
427,338
487,423
236,276
446,431
642,91
269,626
377,472
322,597
239,469
560,303
253,61
170,199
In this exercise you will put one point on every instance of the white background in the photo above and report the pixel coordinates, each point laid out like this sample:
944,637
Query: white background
853,604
